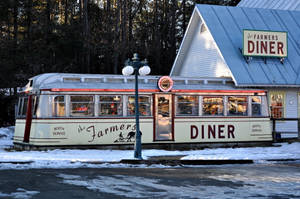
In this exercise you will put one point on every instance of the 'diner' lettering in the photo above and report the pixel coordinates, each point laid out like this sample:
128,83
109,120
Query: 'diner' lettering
213,131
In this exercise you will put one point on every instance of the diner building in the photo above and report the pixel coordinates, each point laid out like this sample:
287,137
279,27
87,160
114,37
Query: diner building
256,45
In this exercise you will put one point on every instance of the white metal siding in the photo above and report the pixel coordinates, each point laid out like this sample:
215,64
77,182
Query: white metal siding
185,44
291,104
291,111
203,58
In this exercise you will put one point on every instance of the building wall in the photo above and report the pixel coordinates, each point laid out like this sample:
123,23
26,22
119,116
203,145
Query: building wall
291,110
203,58
198,55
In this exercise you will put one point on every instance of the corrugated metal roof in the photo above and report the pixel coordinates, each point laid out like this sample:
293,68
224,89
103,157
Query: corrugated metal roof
226,25
271,4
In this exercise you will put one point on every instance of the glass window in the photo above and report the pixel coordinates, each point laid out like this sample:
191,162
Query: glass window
256,105
144,106
277,105
187,105
35,104
213,106
82,105
20,106
237,106
59,109
24,107
110,105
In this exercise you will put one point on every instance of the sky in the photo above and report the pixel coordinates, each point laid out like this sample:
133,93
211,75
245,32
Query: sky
75,158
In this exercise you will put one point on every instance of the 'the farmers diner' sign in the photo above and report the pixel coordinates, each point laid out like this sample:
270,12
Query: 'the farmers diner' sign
264,43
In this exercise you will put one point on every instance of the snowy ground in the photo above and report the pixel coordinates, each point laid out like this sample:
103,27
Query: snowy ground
86,158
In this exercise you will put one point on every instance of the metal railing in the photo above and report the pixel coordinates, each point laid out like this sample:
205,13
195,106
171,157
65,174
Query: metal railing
277,134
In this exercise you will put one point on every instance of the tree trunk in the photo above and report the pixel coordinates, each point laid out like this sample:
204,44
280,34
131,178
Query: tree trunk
66,11
86,35
48,21
15,23
29,15
184,15
116,40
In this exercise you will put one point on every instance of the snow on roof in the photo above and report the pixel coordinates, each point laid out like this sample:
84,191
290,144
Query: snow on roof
226,25
271,4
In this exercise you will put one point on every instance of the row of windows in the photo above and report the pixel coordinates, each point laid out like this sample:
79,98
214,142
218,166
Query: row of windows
214,106
108,105
124,105
23,103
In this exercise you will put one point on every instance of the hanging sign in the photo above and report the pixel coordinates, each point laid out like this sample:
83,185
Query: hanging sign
264,43
165,83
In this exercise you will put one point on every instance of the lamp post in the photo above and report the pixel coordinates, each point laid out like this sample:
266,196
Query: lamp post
137,67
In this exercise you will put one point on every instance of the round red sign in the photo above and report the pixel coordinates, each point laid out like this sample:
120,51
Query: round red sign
165,83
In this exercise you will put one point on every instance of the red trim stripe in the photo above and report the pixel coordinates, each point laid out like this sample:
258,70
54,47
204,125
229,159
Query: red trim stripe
218,91
150,90
97,90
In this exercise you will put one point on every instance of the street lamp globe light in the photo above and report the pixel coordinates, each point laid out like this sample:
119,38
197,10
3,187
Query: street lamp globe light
127,70
144,70
136,67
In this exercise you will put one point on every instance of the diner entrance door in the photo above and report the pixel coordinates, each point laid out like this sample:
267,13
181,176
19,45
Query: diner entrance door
163,117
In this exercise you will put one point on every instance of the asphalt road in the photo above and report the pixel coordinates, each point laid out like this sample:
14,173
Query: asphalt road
278,180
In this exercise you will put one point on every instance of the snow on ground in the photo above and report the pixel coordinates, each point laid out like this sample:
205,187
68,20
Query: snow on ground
21,193
72,158
238,185
6,136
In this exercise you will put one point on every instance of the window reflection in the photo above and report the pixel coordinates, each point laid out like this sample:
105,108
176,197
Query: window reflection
144,106
22,107
237,105
35,105
82,105
277,102
110,105
187,105
59,106
256,105
213,106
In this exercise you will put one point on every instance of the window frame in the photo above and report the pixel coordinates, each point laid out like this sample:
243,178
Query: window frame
150,104
251,103
118,108
213,96
195,103
22,107
90,113
238,104
283,106
59,102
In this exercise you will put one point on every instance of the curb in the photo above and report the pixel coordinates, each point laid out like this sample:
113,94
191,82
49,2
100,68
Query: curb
167,162
283,160
215,162
17,162
185,162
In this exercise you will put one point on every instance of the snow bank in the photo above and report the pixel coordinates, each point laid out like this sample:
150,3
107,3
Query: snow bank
6,137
